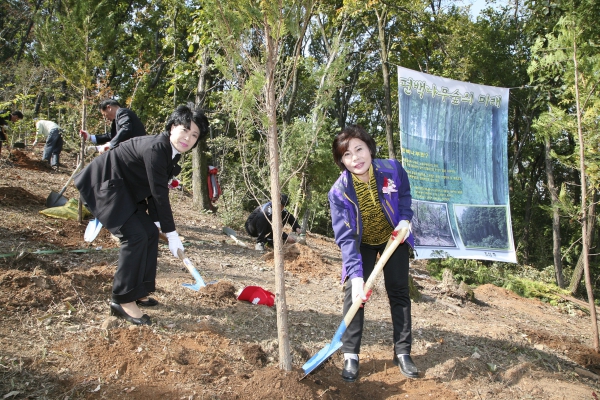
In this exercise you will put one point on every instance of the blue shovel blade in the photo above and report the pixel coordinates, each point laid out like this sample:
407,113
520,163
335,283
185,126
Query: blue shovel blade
326,351
92,230
199,281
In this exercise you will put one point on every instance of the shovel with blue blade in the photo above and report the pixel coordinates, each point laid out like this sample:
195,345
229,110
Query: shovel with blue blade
188,264
336,342
92,230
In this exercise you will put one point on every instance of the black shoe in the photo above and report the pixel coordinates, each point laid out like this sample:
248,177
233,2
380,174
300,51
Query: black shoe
147,303
350,371
406,365
117,310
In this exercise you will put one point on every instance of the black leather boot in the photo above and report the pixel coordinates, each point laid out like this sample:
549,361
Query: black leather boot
350,371
406,365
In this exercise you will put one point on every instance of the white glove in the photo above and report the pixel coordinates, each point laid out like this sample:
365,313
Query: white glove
174,242
358,293
103,148
157,223
403,224
91,149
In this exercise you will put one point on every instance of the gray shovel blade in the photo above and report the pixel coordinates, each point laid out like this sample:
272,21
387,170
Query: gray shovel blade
56,200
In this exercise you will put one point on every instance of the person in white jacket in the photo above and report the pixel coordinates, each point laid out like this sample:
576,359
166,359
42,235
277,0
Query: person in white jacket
54,141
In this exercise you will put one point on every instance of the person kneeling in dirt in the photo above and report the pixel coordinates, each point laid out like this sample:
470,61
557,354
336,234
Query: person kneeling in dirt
258,224
127,190
369,201
54,141
6,116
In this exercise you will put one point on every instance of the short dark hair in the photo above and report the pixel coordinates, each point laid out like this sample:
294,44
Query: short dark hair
284,199
342,141
17,114
108,102
185,115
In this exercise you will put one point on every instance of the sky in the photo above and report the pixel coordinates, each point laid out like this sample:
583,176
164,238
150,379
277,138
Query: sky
478,5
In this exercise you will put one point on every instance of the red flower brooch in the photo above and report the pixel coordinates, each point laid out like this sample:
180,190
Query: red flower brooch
388,186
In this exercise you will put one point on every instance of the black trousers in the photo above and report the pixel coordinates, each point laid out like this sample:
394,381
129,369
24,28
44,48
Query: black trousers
259,226
136,272
395,275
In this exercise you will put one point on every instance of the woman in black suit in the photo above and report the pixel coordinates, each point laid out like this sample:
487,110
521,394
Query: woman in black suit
126,189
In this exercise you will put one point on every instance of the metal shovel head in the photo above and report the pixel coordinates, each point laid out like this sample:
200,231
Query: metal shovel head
228,231
336,342
326,351
92,230
56,200
199,281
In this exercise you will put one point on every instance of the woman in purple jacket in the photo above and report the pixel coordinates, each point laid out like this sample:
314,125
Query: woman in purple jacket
369,200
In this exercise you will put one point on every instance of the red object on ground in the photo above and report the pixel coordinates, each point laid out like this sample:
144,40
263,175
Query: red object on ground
257,295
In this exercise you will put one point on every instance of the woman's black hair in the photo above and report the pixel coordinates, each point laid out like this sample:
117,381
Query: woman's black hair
185,115
342,141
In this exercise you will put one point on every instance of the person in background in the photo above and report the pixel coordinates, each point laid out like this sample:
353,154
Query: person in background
125,125
54,141
370,199
5,118
258,224
127,190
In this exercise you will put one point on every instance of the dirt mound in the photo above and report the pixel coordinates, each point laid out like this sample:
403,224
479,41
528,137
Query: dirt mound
16,196
301,259
254,354
219,294
272,383
492,291
571,347
25,161
36,289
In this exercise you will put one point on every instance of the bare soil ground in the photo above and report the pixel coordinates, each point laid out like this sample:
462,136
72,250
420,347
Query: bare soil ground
57,340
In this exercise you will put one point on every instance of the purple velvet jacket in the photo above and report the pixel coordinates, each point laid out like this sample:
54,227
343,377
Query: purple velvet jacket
393,190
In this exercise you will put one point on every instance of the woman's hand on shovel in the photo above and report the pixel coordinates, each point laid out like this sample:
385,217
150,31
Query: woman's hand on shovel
174,242
358,292
402,224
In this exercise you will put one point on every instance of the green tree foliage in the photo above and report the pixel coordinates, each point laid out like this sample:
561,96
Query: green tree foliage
149,53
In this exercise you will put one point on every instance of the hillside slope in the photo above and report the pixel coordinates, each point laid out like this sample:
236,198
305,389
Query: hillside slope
58,341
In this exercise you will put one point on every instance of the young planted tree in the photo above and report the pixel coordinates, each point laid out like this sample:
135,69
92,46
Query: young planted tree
567,50
65,44
251,37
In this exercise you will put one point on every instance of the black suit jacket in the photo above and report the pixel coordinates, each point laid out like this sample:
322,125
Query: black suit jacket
137,170
125,126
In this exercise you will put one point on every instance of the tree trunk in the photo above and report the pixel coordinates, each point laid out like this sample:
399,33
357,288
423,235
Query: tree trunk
83,121
578,272
584,208
200,196
387,98
555,217
285,360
